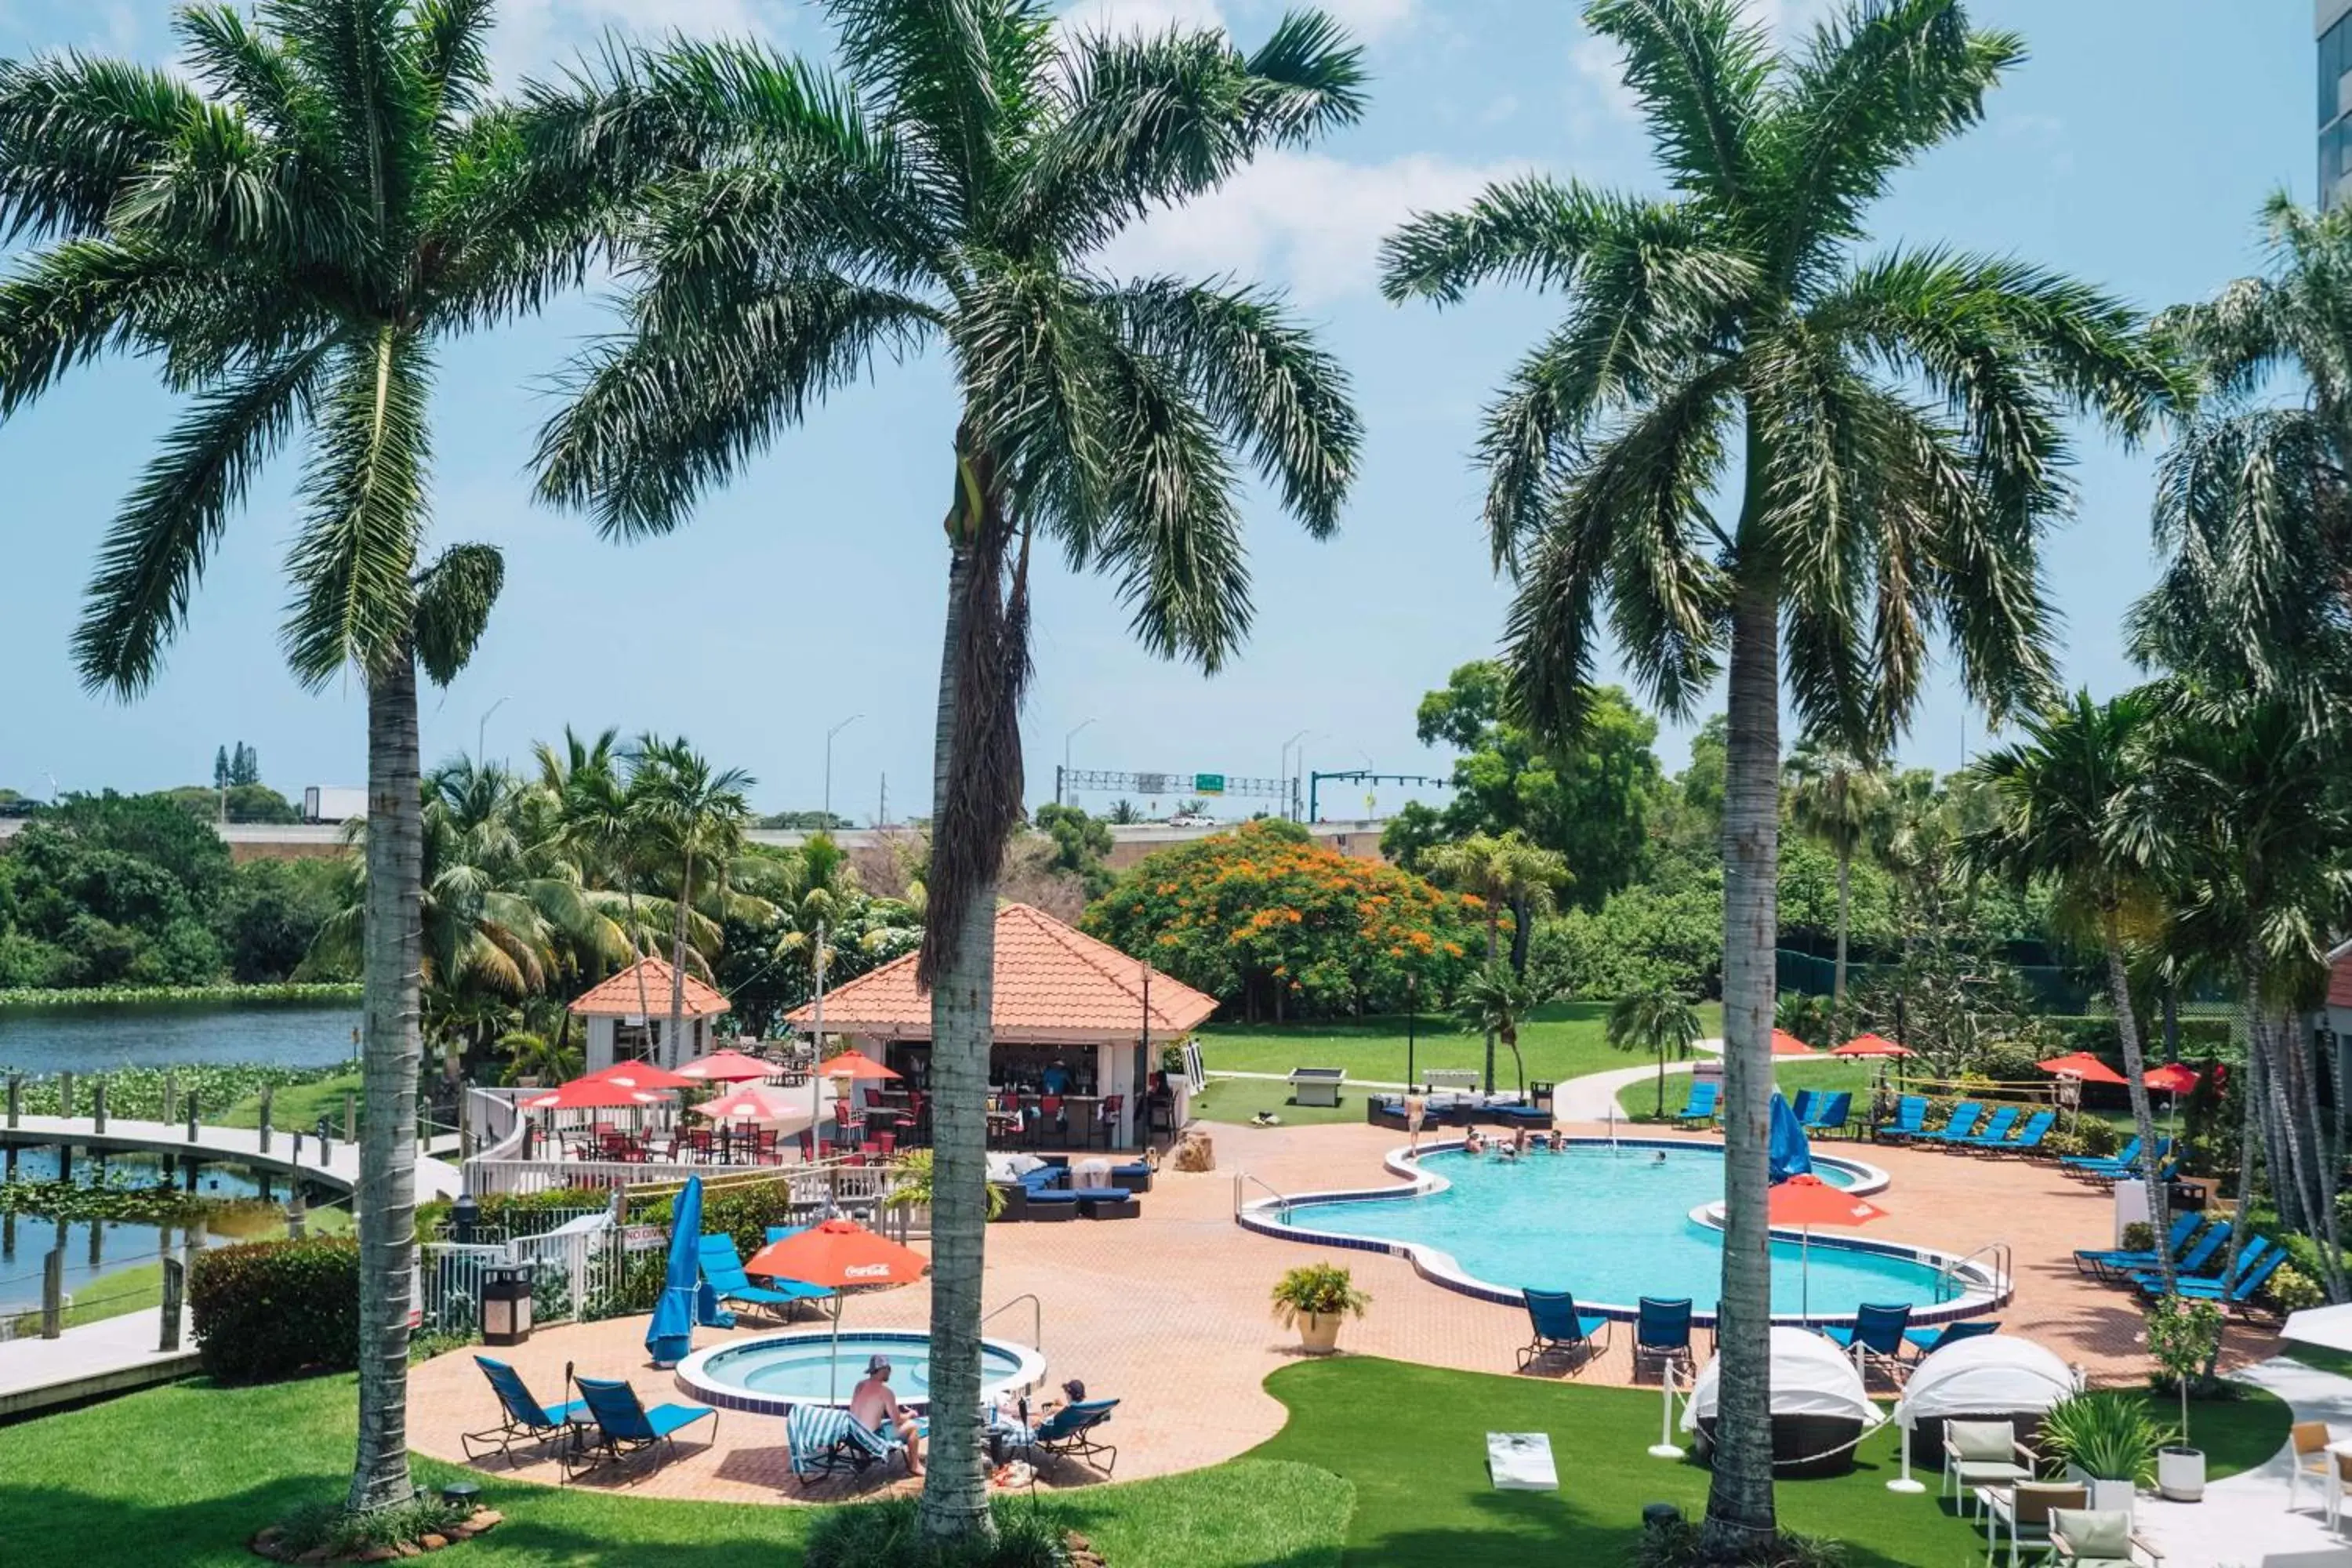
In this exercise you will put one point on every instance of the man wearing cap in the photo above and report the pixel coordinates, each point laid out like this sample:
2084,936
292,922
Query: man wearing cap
874,1406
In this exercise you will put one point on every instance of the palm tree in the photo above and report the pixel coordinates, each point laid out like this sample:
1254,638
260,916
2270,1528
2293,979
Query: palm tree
1659,1020
1838,797
1894,428
288,231
693,819
2065,814
1497,1000
1500,869
952,187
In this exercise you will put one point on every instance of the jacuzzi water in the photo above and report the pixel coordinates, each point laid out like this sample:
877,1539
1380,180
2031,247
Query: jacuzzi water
1611,1226
793,1368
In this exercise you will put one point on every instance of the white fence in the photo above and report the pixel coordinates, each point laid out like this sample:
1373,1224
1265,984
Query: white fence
576,1270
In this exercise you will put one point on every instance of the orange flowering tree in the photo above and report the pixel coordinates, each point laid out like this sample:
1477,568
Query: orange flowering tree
1277,926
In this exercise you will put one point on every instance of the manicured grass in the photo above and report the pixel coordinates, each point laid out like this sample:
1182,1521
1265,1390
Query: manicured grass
2240,1434
295,1107
183,1475
138,1288
1413,1441
1239,1098
1563,1041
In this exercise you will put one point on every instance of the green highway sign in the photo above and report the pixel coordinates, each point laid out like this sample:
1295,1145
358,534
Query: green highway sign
1208,784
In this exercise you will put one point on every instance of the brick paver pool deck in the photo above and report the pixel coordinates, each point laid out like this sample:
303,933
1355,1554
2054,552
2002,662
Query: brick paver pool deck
1168,1313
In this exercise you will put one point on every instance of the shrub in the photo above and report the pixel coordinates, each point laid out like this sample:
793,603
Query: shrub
2290,1290
271,1308
877,1533
2098,1136
513,1214
345,1534
2140,1237
1319,1290
2114,1437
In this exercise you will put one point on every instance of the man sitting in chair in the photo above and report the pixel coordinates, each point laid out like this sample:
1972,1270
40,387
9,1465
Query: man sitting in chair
874,1406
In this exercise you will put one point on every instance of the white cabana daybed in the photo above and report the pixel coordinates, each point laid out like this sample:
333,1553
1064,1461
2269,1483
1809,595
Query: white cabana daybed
1819,1408
1993,1377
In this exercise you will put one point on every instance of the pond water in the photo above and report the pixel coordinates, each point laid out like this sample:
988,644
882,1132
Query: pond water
98,1247
93,1036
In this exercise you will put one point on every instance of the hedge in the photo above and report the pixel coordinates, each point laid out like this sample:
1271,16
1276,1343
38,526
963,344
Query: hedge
272,1308
2095,1033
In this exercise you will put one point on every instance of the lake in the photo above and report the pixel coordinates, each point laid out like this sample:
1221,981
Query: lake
97,1247
96,1035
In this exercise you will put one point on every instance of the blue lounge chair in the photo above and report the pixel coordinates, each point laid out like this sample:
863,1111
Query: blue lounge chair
522,1418
1558,1326
1702,1102
1830,1114
1662,1332
1962,1124
2169,1169
2191,1263
620,1425
825,1441
1879,1328
722,1267
2189,1282
2028,1137
2102,1260
2240,1292
1068,1432
1995,1131
1925,1342
1910,1119
1802,1107
2126,1156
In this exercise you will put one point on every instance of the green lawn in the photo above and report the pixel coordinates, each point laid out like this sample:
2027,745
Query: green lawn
1239,1098
295,1107
1563,1041
138,1288
1412,1440
1791,1074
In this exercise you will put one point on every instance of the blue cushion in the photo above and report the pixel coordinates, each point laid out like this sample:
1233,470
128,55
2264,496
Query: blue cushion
1132,1168
1053,1196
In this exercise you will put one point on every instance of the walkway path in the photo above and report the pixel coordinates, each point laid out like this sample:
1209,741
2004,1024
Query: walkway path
1593,1097
341,1168
2244,1522
105,1357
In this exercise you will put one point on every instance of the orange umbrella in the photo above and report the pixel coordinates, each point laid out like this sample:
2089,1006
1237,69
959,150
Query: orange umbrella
1807,1201
589,1094
727,1067
638,1075
856,1065
1871,1046
755,1102
845,1257
2173,1077
2085,1066
1785,1044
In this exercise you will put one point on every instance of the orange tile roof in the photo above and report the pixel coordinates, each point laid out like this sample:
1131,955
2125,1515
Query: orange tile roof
2339,977
621,998
1053,984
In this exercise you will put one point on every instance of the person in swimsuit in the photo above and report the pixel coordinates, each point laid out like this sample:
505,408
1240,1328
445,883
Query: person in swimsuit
873,1405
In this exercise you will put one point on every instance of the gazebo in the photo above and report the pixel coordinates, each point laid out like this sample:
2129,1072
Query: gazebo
628,1018
1075,1018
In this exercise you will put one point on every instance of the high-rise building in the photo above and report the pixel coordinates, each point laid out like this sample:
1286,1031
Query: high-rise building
2333,26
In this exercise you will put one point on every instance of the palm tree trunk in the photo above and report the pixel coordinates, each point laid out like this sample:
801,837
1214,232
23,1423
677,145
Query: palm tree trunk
385,1204
1740,1507
2299,1096
677,966
1522,927
2143,1118
1494,922
1846,903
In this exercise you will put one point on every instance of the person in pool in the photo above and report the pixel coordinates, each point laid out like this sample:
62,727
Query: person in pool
1474,1142
875,1406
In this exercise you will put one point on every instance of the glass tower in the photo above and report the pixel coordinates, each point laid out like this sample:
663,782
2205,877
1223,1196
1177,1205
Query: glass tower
2333,26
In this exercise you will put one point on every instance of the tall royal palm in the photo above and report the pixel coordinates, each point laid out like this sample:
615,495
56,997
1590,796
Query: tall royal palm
1885,437
693,818
1837,798
2069,812
948,189
286,233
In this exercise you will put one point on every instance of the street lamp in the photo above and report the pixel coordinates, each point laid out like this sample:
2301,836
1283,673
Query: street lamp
482,725
829,734
1282,769
1062,784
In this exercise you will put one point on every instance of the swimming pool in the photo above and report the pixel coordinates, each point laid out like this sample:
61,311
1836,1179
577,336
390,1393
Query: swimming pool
775,1372
1613,1222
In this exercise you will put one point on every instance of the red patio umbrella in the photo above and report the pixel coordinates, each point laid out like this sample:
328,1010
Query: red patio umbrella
2085,1066
1870,1046
756,1103
727,1066
1785,1044
856,1065
1806,1201
2173,1077
590,1094
636,1075
842,1255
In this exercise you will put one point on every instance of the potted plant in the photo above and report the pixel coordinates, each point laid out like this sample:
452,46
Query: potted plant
2109,1442
1312,1298
2185,1338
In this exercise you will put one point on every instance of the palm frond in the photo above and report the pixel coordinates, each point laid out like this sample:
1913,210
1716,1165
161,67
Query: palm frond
961,79
155,551
243,67
452,36
356,53
364,489
1700,71
73,130
453,598
1531,230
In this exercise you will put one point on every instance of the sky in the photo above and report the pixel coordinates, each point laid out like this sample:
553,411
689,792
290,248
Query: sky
2132,149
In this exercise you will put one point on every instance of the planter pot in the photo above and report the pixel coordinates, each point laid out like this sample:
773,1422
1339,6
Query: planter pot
2107,1496
1319,1333
2181,1474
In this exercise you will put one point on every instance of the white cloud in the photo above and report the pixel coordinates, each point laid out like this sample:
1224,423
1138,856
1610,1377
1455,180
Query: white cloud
1149,16
1371,20
534,35
1306,220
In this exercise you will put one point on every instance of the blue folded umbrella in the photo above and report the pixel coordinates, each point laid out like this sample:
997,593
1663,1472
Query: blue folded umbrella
670,1336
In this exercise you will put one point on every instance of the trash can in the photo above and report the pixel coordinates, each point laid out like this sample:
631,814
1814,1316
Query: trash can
506,1304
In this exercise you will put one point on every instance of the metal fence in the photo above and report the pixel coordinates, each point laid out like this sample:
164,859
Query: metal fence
577,1270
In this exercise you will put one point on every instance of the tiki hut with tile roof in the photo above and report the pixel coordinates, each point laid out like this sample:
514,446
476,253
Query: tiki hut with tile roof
1073,1016
628,1018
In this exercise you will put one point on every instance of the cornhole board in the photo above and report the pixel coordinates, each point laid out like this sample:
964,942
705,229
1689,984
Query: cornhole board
1521,1462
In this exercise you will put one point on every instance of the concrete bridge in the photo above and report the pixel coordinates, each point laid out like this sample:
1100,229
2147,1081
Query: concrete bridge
339,1168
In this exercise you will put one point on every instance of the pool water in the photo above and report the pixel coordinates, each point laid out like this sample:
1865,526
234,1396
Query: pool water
792,1368
1613,1225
